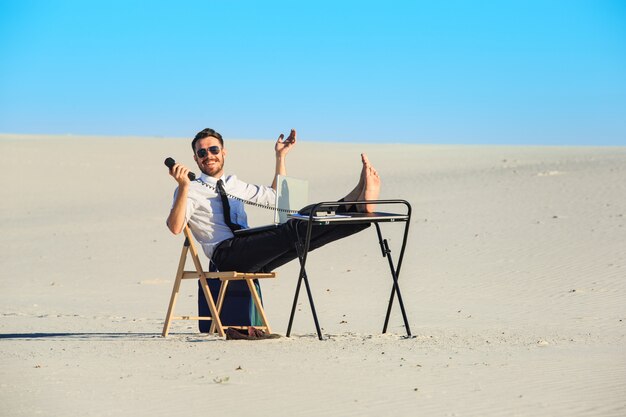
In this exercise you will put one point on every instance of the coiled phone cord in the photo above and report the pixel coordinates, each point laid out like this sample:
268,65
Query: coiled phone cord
251,203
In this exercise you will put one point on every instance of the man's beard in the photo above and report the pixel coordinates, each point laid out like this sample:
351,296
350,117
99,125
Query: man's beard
211,171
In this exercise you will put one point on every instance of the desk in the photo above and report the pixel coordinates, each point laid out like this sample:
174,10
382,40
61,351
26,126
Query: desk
302,248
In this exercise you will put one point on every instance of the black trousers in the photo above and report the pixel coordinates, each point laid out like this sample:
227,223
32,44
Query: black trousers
266,251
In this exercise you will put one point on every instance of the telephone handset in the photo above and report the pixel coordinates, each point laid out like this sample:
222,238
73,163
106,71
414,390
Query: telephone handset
169,162
321,211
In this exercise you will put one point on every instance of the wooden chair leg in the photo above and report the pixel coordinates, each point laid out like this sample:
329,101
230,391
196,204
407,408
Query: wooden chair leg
258,304
220,302
175,290
215,317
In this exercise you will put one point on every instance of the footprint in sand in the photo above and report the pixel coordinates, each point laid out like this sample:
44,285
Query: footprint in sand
549,173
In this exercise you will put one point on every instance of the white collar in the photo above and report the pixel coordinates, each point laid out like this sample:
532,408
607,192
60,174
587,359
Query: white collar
212,180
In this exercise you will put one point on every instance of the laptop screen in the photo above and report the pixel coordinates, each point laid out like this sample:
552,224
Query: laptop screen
291,194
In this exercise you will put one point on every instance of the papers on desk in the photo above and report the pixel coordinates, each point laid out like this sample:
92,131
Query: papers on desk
330,216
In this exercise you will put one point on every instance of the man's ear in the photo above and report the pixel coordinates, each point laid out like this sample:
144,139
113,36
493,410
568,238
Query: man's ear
224,151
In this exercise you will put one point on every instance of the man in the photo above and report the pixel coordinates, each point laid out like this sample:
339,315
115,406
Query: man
200,204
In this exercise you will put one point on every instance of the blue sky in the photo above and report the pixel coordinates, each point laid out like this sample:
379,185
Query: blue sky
467,72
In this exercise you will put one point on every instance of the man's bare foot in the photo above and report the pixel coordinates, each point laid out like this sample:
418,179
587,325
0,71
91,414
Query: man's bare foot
371,189
356,193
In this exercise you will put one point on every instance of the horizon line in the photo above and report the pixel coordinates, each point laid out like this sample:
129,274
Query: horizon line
337,141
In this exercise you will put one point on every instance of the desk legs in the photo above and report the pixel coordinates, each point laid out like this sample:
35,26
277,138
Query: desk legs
384,246
302,252
303,277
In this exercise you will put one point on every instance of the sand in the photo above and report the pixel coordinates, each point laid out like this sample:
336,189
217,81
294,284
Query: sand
514,283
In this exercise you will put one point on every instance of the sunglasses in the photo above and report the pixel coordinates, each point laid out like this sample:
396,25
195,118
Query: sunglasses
204,152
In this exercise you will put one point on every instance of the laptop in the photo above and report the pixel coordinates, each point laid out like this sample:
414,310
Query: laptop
291,194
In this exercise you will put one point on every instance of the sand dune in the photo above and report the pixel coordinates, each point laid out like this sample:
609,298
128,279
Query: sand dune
513,281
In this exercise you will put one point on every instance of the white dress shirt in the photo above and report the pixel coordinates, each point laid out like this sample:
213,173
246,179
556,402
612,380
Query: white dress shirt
205,215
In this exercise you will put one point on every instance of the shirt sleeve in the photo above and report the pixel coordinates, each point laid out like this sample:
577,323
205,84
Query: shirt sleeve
190,207
260,194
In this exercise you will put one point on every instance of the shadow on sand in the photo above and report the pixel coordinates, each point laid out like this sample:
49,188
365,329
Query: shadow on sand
95,336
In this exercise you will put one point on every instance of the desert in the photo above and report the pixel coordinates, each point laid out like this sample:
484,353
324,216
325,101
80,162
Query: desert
513,280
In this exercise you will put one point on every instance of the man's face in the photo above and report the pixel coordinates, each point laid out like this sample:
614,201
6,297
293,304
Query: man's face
211,165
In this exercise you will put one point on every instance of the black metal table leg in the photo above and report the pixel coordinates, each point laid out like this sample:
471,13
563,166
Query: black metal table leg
293,307
302,256
308,291
386,252
304,278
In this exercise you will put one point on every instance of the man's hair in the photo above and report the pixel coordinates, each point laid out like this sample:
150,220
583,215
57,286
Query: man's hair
205,133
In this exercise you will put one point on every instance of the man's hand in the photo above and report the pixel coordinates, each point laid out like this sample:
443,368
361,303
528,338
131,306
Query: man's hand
179,172
283,145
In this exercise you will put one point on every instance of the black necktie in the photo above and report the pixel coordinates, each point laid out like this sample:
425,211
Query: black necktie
226,206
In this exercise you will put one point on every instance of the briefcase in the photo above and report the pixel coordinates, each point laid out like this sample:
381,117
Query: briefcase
238,308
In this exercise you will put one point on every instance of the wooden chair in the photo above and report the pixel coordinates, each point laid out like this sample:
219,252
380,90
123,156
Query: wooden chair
224,277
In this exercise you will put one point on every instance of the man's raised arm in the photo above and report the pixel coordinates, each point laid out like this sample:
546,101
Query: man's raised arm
282,148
